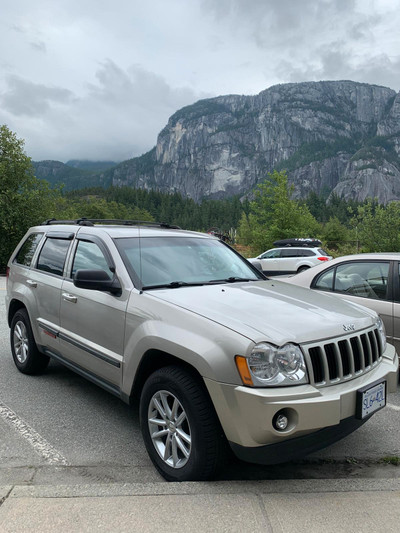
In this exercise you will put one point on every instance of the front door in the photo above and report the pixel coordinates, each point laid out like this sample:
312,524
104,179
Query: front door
93,322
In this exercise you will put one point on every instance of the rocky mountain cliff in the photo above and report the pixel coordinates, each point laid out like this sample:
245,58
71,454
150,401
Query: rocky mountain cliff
332,137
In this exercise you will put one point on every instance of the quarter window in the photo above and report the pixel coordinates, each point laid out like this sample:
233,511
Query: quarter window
28,249
307,253
52,256
325,281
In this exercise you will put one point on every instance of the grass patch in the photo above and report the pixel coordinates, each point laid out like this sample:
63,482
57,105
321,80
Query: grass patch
391,460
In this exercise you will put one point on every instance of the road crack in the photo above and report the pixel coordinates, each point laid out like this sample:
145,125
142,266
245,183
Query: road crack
4,498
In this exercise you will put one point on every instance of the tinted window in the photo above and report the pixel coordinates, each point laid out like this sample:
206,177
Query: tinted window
28,249
322,252
52,256
289,252
307,253
89,256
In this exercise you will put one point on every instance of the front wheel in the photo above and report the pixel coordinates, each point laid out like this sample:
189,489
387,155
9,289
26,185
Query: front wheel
26,355
180,428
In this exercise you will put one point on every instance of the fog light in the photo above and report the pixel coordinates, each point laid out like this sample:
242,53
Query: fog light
281,422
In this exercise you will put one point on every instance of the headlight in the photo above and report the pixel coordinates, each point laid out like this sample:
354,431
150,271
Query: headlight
269,366
382,332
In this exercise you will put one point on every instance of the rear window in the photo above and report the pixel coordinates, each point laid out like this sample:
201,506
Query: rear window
52,256
322,252
28,249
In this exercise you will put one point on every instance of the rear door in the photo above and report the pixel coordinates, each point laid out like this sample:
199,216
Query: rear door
45,281
290,258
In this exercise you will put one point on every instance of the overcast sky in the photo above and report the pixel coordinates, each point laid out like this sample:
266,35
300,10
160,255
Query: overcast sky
98,79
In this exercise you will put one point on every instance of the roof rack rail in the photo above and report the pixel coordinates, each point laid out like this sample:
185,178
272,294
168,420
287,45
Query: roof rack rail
118,222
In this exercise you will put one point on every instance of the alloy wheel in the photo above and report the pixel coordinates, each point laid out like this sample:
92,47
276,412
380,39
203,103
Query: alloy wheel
21,342
169,429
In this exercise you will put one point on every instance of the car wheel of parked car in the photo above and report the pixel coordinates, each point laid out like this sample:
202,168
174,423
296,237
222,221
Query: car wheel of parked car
180,428
27,357
302,269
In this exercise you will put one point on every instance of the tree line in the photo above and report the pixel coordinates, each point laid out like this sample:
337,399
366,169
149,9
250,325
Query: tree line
269,214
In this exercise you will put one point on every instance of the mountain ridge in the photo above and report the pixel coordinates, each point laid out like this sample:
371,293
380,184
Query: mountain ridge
333,137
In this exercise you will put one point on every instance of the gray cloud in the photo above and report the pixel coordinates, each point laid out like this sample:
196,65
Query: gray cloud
99,80
117,118
26,98
39,46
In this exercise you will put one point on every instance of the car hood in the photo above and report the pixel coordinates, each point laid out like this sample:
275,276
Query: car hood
271,310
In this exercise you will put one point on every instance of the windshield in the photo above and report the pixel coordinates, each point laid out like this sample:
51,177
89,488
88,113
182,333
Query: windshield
179,261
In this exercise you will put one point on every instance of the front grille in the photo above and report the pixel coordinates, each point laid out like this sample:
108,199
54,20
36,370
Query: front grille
344,358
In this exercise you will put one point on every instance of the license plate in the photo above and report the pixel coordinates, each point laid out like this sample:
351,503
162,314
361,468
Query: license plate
371,399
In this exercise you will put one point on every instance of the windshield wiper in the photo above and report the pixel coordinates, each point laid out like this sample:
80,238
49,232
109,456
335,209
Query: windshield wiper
232,279
173,285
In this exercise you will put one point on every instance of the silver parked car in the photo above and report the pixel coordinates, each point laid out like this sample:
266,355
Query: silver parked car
370,279
214,352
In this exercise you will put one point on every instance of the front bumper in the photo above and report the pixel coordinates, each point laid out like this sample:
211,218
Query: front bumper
317,416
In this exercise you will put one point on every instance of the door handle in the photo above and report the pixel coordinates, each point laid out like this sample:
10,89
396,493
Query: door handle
31,283
69,297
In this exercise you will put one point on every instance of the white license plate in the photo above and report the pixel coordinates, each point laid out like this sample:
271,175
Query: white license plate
372,399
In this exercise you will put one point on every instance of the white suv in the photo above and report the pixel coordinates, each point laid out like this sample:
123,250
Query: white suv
291,256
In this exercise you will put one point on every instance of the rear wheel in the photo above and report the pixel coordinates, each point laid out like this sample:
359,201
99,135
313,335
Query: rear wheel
180,428
26,355
302,269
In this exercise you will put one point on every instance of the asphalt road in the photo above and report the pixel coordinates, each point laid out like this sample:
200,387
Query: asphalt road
58,428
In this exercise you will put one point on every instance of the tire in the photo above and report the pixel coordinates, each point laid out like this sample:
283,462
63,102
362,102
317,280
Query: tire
26,355
186,443
302,269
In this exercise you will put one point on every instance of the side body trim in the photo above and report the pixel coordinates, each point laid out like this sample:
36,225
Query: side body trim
116,391
54,333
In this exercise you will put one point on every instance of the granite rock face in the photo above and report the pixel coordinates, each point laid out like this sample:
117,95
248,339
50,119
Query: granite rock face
226,145
331,136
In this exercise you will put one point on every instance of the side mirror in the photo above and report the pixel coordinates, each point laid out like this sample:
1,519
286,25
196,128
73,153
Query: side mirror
97,280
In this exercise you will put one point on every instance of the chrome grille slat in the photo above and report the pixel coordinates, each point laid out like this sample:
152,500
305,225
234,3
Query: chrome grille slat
374,344
337,360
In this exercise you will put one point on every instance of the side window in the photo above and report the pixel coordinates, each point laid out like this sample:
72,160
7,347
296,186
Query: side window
52,256
325,281
88,256
365,279
271,254
307,253
289,252
28,249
